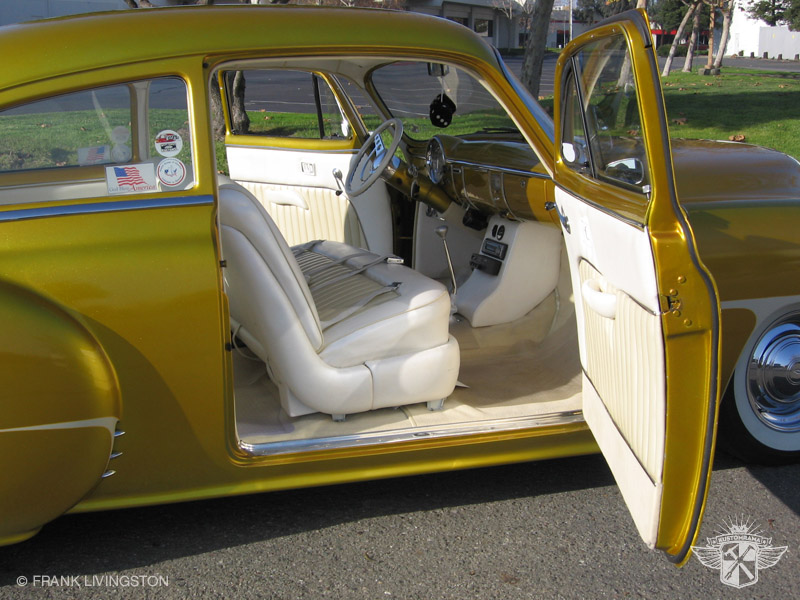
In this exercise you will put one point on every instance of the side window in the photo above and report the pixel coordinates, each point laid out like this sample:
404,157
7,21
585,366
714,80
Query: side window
602,134
72,130
284,103
107,141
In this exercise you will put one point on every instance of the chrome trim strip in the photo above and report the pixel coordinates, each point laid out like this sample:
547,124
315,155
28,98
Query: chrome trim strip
691,206
411,434
484,167
306,150
103,207
603,209
23,186
109,423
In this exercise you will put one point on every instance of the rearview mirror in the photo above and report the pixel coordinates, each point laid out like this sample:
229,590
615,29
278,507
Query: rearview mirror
438,69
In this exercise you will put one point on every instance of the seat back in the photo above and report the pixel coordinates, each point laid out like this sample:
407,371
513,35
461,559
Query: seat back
257,257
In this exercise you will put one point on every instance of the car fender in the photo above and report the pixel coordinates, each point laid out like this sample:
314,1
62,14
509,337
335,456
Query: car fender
60,405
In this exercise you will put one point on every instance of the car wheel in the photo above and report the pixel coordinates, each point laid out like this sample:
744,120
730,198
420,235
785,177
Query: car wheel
760,414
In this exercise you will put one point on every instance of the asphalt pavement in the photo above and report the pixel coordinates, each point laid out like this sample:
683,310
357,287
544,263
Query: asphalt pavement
554,529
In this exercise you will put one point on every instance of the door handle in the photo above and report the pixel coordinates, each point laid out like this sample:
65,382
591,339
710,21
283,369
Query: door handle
603,303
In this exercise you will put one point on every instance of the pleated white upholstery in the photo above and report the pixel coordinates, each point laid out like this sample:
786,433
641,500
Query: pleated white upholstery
319,214
325,350
626,364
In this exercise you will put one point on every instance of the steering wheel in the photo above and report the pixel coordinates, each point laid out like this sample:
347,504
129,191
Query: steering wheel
373,158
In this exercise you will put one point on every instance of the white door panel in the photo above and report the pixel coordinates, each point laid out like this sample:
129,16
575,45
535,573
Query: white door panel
622,351
364,221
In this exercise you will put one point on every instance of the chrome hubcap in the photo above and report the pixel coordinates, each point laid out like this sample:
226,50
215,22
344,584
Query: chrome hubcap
773,376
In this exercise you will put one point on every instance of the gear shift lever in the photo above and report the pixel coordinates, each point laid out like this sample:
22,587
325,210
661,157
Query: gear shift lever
441,231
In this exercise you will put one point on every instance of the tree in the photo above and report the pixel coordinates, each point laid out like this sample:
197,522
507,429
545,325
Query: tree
696,16
669,14
727,13
589,11
712,25
777,12
688,14
536,45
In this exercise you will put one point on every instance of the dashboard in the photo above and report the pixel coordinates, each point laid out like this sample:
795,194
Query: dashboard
494,177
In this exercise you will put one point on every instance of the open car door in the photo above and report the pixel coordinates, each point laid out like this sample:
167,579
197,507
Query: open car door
648,316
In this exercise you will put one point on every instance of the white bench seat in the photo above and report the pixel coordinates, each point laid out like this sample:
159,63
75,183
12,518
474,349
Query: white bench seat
341,329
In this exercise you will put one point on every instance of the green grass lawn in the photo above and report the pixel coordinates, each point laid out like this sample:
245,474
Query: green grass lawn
762,106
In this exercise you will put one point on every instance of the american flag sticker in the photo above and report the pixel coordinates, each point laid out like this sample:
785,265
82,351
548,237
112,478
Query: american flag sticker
128,179
94,155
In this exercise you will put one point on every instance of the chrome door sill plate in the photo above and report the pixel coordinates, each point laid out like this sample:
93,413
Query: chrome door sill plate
410,435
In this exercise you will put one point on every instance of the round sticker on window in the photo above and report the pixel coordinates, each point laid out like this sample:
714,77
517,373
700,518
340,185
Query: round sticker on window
120,135
121,153
168,143
171,172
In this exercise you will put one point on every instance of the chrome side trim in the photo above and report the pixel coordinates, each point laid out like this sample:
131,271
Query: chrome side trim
103,207
411,434
691,206
108,423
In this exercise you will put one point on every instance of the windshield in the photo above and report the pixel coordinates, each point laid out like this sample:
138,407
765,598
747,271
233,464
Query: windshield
433,98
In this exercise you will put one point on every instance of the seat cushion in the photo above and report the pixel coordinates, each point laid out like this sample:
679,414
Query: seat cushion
408,317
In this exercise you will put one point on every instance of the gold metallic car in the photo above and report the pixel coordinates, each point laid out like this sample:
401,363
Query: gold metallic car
285,247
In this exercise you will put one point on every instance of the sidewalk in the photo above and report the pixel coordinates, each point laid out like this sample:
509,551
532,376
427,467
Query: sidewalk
762,64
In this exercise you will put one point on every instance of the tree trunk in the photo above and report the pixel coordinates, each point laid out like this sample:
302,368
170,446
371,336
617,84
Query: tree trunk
712,24
678,35
687,64
726,33
536,45
218,122
240,122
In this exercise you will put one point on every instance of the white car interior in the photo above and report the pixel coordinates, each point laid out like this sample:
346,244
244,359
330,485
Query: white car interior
337,343
339,328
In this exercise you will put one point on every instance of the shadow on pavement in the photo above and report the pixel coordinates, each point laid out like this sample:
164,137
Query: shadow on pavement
121,540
